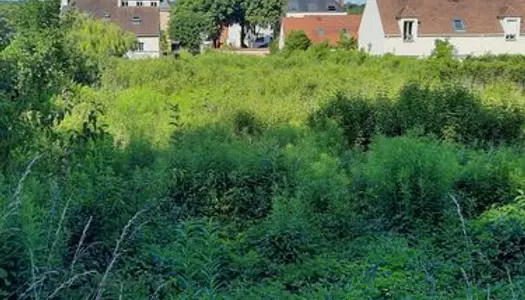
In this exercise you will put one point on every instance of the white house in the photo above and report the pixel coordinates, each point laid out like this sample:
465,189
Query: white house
473,27
139,17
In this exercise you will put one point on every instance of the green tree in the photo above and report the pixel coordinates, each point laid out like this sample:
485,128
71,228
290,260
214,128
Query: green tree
97,39
190,28
265,13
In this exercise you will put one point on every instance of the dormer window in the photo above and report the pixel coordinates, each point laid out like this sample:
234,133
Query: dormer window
136,20
511,27
409,30
154,4
332,8
139,3
124,3
459,25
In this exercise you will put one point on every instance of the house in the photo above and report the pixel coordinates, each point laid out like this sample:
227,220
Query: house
141,17
320,28
473,27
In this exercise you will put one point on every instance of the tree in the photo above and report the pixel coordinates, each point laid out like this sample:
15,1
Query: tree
195,20
265,13
190,28
97,39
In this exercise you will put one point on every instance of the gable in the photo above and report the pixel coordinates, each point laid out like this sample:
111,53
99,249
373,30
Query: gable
436,16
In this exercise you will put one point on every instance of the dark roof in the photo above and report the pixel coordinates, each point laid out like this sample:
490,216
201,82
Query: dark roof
323,28
313,5
436,16
123,16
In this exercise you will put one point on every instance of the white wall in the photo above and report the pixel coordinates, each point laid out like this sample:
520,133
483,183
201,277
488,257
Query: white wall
423,46
371,33
151,48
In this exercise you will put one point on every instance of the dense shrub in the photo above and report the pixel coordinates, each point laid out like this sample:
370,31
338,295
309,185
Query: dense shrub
297,40
500,235
409,181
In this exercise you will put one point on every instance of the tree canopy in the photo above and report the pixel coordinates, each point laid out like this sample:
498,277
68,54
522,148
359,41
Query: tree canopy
195,20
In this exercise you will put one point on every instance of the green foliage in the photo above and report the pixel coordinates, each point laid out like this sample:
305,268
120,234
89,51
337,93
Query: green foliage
297,41
410,182
443,50
190,28
98,40
500,236
326,174
346,41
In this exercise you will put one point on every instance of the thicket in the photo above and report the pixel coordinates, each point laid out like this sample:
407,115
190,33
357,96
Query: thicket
311,174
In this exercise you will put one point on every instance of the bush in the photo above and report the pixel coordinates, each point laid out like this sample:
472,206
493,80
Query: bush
409,181
500,235
297,41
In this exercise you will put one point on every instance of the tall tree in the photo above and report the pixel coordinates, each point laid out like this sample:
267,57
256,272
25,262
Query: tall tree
265,13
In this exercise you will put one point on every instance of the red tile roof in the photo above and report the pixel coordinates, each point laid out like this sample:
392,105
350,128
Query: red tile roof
436,16
323,27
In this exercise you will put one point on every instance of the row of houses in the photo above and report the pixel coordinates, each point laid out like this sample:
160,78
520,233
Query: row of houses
401,27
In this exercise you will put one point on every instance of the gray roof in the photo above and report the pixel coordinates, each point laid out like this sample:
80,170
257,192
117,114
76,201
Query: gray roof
314,6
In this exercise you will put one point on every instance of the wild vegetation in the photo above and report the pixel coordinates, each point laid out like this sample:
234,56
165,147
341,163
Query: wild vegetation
310,174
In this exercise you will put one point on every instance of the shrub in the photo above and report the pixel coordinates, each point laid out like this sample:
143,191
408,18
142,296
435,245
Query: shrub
288,235
245,122
356,116
297,41
409,181
500,235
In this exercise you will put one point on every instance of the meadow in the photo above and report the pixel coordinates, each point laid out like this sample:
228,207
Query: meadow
317,174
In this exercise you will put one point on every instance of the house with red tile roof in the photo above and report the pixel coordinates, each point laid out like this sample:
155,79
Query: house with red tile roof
473,27
320,28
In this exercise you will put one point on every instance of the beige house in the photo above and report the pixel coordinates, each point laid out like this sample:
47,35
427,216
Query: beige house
473,27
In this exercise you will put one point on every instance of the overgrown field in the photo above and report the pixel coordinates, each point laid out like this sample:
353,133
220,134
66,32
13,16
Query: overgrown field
307,175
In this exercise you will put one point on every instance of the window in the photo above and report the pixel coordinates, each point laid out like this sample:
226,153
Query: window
124,3
321,31
408,31
137,20
154,4
139,3
511,28
458,25
140,47
332,8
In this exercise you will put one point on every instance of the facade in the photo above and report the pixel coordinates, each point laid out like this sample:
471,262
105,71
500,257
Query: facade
473,27
321,28
165,12
139,17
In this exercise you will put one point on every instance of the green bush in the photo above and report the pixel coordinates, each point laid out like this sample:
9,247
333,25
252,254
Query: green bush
499,235
297,41
409,181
